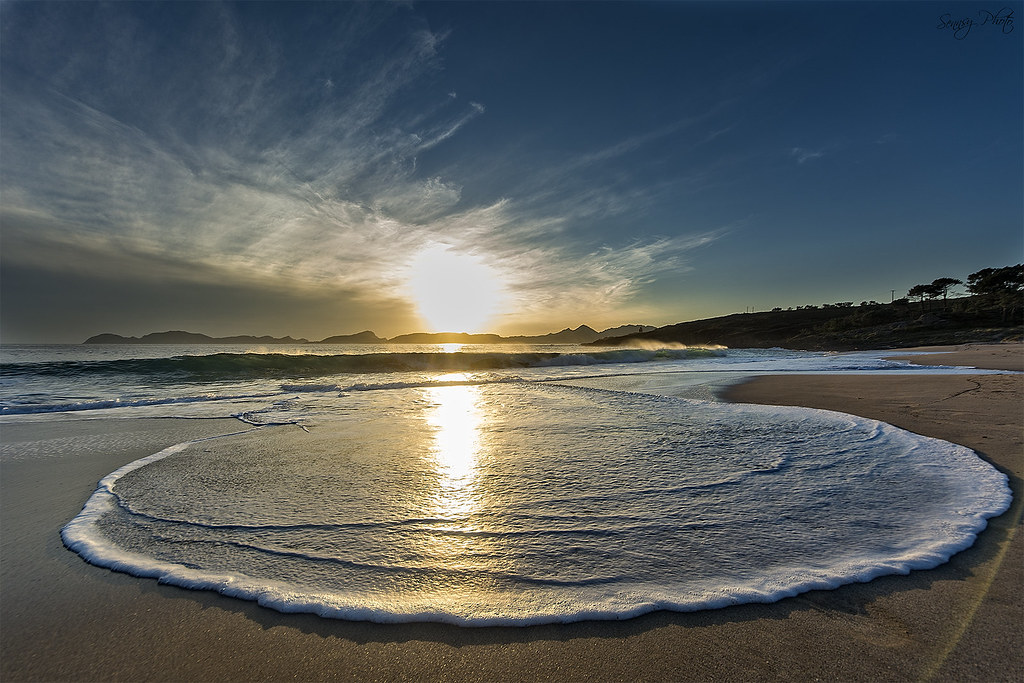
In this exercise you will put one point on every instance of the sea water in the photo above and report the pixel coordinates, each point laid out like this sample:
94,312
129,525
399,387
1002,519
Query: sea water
484,485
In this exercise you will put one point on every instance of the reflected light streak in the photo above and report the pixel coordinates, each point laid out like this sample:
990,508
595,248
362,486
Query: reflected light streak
456,419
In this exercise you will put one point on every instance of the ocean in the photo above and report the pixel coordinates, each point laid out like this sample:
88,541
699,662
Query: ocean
499,485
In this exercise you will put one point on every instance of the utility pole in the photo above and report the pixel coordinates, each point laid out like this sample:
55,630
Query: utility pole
892,296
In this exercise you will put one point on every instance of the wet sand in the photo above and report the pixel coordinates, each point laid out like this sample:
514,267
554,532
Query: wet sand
983,356
62,619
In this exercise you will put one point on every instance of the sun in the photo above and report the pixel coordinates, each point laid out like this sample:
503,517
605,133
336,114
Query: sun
453,291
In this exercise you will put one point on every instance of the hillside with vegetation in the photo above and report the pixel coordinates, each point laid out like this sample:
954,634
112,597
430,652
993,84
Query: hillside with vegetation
991,311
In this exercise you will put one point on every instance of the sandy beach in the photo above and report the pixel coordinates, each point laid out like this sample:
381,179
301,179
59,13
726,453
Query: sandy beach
64,620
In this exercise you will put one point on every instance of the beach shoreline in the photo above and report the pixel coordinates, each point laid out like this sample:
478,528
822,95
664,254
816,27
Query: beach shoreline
62,619
982,412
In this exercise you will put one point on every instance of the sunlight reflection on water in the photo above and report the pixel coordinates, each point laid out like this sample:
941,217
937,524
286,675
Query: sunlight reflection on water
456,420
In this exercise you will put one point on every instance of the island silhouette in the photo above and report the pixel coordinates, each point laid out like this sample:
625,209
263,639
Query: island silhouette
580,335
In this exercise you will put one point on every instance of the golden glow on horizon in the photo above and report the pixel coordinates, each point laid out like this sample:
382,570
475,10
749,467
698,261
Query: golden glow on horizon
454,292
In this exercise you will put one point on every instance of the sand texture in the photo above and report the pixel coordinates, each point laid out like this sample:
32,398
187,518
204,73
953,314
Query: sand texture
62,619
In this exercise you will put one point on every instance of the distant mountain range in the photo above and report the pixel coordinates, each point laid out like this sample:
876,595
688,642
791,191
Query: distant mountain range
179,337
581,335
829,327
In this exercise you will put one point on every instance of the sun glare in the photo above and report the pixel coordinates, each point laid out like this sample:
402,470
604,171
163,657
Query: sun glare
454,292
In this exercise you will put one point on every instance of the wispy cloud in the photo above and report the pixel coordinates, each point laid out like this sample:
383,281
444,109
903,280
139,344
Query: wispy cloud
608,279
550,276
302,181
803,155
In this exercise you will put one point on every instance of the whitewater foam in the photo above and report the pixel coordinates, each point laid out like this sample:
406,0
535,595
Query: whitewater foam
197,381
524,503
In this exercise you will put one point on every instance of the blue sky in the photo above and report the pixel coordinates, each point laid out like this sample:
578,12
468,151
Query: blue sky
265,168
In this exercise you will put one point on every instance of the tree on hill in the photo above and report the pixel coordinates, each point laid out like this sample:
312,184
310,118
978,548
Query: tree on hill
997,280
1002,285
922,292
937,288
942,286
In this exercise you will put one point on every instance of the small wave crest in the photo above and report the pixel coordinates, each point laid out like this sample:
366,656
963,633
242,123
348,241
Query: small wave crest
102,404
236,366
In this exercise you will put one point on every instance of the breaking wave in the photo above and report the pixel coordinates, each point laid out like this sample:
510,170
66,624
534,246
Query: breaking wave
234,366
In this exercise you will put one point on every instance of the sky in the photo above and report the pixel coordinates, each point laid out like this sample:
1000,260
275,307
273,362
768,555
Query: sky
313,169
